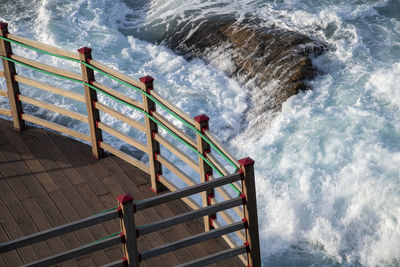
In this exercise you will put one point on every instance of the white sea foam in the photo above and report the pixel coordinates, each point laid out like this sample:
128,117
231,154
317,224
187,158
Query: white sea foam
327,165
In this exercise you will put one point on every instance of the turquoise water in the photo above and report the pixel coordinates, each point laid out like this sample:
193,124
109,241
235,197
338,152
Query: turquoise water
327,166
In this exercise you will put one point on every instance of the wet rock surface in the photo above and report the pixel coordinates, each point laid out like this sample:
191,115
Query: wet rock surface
275,61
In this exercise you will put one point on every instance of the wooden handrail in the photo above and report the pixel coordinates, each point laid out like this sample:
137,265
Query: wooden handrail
187,191
124,156
44,47
49,88
5,112
177,152
118,95
175,170
149,228
173,108
58,230
56,127
47,67
76,252
123,137
3,93
173,128
119,116
115,73
56,109
215,141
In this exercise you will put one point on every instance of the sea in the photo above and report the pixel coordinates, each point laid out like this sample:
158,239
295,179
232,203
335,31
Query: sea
327,165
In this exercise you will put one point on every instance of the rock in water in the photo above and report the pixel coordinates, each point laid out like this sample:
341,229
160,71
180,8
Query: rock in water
276,60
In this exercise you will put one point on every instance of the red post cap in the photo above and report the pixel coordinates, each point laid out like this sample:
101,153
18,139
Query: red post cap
246,162
84,50
146,79
201,118
3,25
122,199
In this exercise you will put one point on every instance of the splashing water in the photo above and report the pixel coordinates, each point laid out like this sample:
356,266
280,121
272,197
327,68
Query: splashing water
327,166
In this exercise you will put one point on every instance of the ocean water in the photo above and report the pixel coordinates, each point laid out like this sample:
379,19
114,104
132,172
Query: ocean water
327,166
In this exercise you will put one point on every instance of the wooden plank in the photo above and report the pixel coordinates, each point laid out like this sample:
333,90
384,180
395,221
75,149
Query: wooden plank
47,67
49,88
215,141
226,254
226,196
56,127
175,129
118,95
217,164
228,218
145,229
73,253
3,93
177,152
184,192
231,243
45,47
191,240
51,107
115,73
59,230
5,112
126,157
120,116
123,137
173,108
173,187
2,74
175,170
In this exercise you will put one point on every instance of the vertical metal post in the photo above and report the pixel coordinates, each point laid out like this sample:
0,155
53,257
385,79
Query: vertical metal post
12,85
204,169
151,129
85,54
250,211
128,228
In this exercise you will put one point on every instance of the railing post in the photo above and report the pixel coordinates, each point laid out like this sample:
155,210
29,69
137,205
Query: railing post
204,169
12,85
128,228
85,54
250,211
151,129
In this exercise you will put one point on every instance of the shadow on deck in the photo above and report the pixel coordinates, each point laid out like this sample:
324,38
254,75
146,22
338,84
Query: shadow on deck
47,180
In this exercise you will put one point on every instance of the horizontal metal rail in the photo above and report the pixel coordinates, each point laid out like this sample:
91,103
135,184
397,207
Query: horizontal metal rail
187,216
76,252
58,230
191,240
223,255
188,191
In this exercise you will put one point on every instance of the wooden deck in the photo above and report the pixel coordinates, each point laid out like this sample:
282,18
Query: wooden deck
48,180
